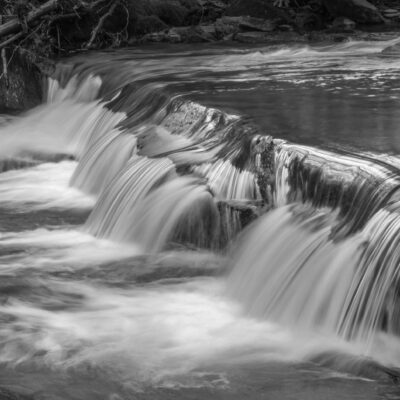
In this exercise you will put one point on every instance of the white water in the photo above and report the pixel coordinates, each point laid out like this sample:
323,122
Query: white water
228,183
290,269
42,187
88,298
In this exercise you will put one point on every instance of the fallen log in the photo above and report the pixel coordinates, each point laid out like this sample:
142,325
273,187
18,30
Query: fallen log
14,25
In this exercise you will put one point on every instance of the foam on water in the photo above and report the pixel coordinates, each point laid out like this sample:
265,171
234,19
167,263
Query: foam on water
42,187
147,335
57,249
165,170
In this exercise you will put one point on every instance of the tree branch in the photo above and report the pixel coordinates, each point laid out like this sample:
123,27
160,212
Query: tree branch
100,24
14,25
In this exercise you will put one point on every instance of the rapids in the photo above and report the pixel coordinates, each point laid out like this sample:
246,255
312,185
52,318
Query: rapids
212,223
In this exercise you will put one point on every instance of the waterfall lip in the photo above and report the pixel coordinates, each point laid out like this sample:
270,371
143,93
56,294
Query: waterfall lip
237,160
357,184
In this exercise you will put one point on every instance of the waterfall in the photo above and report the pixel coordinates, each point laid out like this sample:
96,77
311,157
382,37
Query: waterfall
357,185
228,182
184,210
291,268
166,170
102,161
112,215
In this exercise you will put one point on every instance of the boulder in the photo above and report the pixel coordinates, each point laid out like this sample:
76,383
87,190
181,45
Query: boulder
252,37
343,24
22,88
148,24
256,24
391,13
212,10
228,26
360,11
189,34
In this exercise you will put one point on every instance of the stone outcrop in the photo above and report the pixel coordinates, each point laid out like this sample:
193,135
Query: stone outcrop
343,24
21,86
360,11
393,50
391,13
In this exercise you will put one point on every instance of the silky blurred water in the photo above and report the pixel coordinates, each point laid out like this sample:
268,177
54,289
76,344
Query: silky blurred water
86,317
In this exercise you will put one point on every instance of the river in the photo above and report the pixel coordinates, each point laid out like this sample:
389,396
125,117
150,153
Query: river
206,222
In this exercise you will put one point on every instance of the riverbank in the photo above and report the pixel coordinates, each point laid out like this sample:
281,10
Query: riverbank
37,35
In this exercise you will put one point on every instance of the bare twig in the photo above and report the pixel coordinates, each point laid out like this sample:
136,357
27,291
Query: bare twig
14,25
100,24
5,65
91,4
12,39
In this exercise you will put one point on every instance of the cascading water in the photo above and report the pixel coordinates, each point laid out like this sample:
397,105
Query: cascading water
326,259
156,247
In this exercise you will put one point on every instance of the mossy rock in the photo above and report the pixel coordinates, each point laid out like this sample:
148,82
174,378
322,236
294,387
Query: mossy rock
23,88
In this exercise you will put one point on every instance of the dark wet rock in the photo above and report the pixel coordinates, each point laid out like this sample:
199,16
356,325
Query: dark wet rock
391,13
16,163
263,155
203,33
170,36
22,88
271,38
247,212
227,27
190,34
256,24
170,12
357,366
255,8
149,24
330,35
212,10
232,25
183,116
392,50
286,28
360,11
343,24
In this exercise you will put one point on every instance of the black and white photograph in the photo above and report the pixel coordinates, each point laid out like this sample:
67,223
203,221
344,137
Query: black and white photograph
200,200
